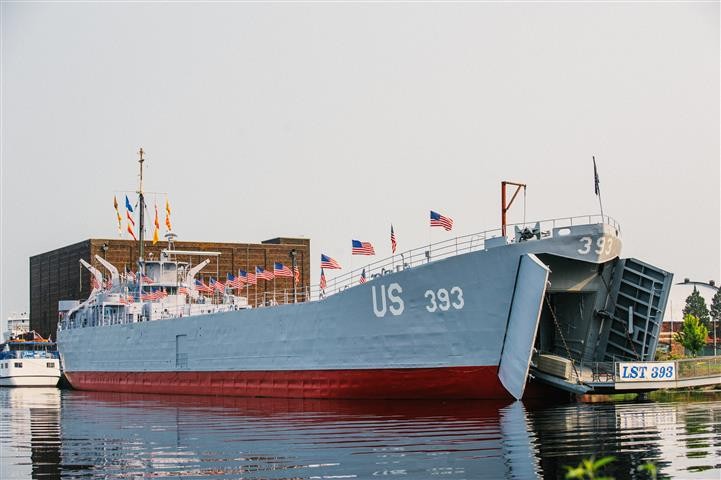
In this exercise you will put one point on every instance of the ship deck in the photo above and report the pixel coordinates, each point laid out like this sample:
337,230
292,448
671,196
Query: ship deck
635,377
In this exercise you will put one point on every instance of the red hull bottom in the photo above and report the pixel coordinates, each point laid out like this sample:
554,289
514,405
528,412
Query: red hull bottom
407,383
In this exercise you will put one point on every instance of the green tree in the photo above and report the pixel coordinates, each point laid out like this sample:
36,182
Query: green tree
715,310
692,334
696,306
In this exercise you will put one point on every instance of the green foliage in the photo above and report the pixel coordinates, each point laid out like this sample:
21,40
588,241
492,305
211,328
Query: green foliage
692,335
715,310
696,306
650,468
589,468
666,356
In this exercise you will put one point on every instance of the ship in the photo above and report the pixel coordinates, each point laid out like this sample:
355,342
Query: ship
466,318
26,358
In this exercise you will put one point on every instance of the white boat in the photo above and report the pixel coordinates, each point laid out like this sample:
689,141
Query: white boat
29,360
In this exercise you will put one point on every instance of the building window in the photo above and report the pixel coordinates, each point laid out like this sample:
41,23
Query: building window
51,364
18,364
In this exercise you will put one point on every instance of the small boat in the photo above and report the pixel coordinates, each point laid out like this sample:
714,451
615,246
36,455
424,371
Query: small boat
29,360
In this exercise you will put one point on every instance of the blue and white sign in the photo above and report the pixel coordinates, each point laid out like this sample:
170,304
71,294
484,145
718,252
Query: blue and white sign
646,371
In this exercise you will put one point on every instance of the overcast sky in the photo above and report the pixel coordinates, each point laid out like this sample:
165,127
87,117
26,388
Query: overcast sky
330,121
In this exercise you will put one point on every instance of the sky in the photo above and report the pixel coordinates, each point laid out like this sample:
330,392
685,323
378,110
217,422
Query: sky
330,121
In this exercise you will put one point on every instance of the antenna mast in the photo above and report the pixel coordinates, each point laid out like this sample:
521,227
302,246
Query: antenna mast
142,206
506,206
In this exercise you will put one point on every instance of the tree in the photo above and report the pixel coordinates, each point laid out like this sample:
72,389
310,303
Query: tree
692,334
696,306
715,310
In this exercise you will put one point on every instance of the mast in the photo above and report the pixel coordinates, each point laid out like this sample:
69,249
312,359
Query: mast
142,206
141,202
506,206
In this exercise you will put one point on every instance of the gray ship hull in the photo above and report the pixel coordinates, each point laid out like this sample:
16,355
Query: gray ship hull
460,327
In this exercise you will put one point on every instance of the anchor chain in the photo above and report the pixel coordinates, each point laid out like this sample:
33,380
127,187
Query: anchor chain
563,339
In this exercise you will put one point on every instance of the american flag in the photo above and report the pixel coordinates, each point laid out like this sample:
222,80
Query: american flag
129,274
245,277
217,285
156,295
236,282
108,283
252,279
147,280
362,279
280,270
329,263
393,240
94,282
202,287
261,272
296,274
362,248
183,291
323,283
438,220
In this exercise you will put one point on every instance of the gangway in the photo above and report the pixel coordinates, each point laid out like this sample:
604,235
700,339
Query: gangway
628,376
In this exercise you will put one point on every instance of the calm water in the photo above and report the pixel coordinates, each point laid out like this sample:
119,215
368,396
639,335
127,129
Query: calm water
48,433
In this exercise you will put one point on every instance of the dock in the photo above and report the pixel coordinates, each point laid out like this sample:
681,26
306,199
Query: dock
627,376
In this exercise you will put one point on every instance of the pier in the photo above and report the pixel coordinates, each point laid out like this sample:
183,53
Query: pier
629,376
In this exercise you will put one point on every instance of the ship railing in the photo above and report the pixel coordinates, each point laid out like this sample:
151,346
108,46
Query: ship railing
409,259
594,372
452,247
698,367
687,368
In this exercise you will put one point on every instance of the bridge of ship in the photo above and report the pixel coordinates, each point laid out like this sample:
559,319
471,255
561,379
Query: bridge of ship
611,377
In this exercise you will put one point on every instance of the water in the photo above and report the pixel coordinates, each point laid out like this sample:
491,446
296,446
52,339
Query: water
48,433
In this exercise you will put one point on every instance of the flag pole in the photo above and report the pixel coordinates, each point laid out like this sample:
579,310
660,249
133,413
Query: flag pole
597,182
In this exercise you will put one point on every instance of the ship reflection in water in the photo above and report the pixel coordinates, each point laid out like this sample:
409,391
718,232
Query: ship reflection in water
47,433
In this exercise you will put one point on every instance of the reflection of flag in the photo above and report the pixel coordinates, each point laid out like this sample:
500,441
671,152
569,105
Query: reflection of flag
94,282
183,291
595,177
156,231
393,240
363,276
322,280
147,280
109,283
167,215
438,220
327,262
363,248
261,272
280,270
296,274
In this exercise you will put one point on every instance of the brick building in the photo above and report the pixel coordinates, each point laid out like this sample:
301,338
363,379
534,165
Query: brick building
58,275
